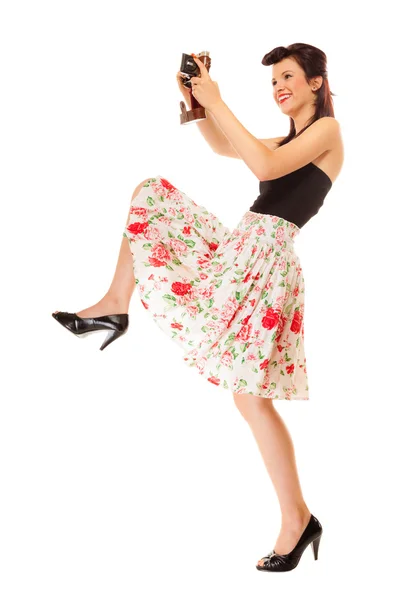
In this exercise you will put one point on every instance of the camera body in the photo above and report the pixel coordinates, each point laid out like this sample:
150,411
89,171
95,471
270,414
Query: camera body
189,69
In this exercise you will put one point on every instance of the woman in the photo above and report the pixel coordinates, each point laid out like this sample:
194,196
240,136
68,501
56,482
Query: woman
234,300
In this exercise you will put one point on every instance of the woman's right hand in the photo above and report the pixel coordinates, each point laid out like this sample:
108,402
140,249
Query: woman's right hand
185,91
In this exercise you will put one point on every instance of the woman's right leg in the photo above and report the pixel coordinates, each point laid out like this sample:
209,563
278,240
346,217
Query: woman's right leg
117,299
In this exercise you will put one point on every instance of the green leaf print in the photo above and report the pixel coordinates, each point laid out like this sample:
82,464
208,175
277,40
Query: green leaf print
239,271
260,354
242,382
171,235
176,261
288,308
180,216
283,273
263,294
169,267
198,224
150,201
206,315
230,338
244,346
209,303
145,246
218,284
169,298
190,243
255,370
146,264
204,329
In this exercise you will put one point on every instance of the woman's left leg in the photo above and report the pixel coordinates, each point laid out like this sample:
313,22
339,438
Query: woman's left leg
276,447
117,298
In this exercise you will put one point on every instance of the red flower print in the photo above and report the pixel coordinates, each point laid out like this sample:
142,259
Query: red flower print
155,262
213,246
168,186
214,380
136,228
264,364
270,319
159,251
144,304
296,323
178,246
177,326
181,288
244,333
245,280
186,230
139,211
290,369
246,320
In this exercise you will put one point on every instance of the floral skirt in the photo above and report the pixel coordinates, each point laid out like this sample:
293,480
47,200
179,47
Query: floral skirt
232,299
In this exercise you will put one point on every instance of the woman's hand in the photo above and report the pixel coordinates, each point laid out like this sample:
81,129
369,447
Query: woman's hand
204,89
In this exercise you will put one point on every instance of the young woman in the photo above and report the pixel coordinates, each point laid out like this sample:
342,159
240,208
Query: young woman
234,300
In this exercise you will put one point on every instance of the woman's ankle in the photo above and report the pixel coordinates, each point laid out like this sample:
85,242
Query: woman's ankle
295,516
116,303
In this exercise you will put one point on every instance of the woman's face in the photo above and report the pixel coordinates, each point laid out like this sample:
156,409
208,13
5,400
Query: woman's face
289,78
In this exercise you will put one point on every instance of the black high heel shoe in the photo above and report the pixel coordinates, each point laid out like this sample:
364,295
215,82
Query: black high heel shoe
287,562
116,325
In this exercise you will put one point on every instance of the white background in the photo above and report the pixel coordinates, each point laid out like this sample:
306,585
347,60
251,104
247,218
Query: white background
123,473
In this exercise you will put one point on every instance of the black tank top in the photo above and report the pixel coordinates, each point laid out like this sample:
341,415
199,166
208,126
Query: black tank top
296,196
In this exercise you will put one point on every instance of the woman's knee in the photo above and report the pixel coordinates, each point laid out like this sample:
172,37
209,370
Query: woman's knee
249,404
139,187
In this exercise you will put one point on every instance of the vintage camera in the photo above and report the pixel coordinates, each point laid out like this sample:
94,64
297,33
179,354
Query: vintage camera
189,69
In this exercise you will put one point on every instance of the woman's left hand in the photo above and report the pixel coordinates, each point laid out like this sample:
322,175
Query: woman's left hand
204,89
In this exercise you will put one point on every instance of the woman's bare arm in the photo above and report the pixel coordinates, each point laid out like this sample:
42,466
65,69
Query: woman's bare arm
228,149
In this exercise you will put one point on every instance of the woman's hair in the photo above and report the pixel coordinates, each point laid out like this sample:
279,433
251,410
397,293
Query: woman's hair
313,62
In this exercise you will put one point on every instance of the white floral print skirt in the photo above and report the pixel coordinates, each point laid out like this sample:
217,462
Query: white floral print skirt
232,299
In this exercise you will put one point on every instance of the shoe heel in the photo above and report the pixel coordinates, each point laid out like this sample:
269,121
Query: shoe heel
111,336
315,546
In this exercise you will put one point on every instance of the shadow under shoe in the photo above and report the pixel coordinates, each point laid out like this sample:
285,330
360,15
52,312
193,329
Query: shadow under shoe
287,562
116,325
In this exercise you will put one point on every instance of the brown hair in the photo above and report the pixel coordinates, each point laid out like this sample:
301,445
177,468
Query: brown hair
313,62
